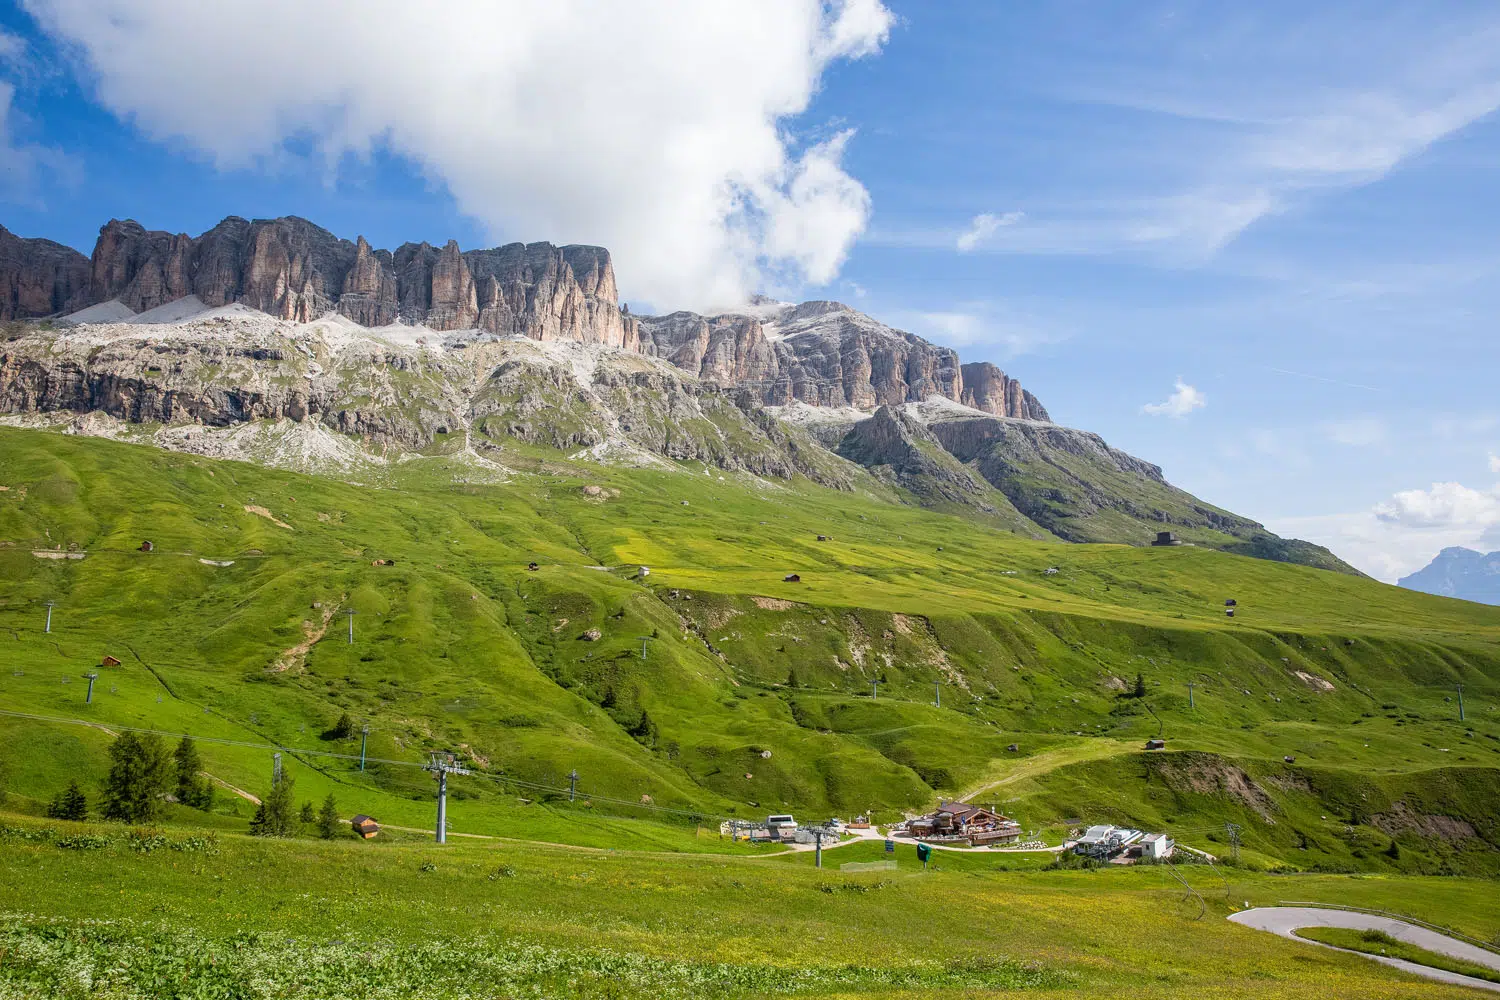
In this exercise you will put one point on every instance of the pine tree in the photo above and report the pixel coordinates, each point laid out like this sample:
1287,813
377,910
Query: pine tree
343,729
275,815
328,819
1140,686
645,730
70,803
307,817
193,789
140,774
791,678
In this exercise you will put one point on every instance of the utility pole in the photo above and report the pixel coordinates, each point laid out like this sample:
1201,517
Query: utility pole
88,698
49,606
818,849
442,765
351,613
364,737
276,769
645,639
1460,703
874,689
572,784
1190,694
937,693
1233,829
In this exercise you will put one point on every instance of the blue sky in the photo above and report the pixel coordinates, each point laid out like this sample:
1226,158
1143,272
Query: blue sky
1255,246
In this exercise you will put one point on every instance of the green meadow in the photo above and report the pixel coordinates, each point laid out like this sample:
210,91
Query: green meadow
658,650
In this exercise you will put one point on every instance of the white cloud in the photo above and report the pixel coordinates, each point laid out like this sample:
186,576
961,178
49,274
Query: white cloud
990,328
1445,505
656,128
982,227
1359,432
1399,536
1494,462
1184,400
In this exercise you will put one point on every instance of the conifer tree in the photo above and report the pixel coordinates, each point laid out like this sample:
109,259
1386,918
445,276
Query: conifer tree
1140,686
193,789
70,803
140,774
307,817
328,818
344,728
276,814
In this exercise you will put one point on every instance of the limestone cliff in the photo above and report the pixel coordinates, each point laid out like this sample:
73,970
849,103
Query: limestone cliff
39,277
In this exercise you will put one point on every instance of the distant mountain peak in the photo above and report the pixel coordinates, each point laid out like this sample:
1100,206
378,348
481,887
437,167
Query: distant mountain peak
1459,572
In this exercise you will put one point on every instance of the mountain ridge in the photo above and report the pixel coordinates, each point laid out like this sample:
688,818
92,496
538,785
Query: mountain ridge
276,342
1459,572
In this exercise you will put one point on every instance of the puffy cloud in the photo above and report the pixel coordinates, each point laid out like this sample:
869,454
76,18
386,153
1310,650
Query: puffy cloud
656,128
982,227
1184,400
1401,535
1444,505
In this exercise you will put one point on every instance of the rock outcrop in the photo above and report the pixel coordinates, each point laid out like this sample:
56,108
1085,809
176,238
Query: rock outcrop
39,277
291,269
820,353
989,389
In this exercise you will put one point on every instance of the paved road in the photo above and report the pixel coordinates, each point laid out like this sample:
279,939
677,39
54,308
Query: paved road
1284,920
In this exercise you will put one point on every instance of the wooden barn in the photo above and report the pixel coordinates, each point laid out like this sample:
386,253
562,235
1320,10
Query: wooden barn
364,826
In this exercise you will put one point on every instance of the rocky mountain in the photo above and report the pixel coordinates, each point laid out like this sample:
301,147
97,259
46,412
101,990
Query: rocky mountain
39,277
276,341
1459,572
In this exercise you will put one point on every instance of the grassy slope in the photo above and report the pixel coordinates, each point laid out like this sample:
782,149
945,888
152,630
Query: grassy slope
458,645
373,911
1379,943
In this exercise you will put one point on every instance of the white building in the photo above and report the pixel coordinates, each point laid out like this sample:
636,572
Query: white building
1156,845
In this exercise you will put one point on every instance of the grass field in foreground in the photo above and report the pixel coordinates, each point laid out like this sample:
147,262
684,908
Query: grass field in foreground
1381,943
304,918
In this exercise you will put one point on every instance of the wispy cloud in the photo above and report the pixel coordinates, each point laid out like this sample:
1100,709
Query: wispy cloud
1222,122
982,227
1184,400
1495,463
981,329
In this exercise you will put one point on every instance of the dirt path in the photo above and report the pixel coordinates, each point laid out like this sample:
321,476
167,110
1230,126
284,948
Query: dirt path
231,788
311,635
1094,748
1286,920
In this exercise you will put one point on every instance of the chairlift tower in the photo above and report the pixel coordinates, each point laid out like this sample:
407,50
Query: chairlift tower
1460,703
1233,829
91,677
572,784
276,769
49,605
350,612
364,738
443,764
644,639
1190,695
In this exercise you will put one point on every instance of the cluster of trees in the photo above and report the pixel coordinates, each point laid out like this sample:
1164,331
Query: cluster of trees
277,816
144,773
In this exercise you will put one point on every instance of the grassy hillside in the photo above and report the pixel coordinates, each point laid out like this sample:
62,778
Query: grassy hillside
754,693
236,917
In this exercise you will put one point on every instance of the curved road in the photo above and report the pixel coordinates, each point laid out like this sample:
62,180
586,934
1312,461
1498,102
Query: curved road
1284,920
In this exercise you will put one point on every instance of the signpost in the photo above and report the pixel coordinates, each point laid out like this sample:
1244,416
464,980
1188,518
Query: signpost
890,847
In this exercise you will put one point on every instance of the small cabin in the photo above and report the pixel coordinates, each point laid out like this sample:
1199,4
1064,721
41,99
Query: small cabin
146,546
1289,759
364,826
1230,603
533,567
1156,744
1166,538
645,571
1228,612
1014,748
823,538
109,661
791,578
1156,845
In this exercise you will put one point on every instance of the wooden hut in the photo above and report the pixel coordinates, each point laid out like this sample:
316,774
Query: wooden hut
364,826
